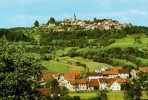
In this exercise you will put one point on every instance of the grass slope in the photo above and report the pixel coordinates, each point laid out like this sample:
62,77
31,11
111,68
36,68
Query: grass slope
55,66
90,64
111,95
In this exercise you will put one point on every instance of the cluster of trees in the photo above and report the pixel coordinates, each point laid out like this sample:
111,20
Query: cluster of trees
106,56
50,21
133,90
19,74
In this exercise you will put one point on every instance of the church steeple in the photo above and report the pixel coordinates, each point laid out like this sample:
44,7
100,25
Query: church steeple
75,18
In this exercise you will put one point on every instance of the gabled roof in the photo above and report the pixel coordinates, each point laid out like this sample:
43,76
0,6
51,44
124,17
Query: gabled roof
75,72
95,74
123,71
110,83
121,80
79,81
69,76
110,72
94,83
143,69
72,74
105,80
116,68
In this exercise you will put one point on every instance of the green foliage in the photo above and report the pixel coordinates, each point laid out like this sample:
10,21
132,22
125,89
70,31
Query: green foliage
102,95
133,90
19,73
36,23
52,20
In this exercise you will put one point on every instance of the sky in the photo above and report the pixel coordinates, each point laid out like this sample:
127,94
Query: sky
23,13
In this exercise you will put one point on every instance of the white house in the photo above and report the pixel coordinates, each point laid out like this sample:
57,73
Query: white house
110,74
95,76
114,86
123,73
101,69
78,85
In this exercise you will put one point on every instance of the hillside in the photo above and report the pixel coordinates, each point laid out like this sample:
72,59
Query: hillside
78,49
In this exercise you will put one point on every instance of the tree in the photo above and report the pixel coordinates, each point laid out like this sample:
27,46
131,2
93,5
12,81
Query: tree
102,95
19,74
52,20
36,23
133,90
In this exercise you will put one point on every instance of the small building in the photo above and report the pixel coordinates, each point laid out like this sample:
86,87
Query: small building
114,86
143,69
110,74
93,84
103,68
123,73
95,76
78,85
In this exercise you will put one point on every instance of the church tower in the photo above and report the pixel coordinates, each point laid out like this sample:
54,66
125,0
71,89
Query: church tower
75,18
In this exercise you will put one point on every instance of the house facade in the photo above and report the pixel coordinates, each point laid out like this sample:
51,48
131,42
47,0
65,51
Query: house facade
95,76
78,85
123,73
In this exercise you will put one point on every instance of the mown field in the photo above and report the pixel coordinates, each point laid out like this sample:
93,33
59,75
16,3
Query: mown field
111,95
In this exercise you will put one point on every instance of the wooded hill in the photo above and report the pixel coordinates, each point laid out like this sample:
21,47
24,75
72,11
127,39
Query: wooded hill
80,49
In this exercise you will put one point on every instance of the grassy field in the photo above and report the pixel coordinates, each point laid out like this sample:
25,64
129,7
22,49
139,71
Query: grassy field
90,64
54,66
111,95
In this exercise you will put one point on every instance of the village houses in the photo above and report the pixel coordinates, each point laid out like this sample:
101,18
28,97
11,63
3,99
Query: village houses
103,78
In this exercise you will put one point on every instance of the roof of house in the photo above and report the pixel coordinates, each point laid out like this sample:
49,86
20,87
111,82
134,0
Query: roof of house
110,83
79,81
124,71
110,72
72,74
75,72
105,80
45,91
143,69
94,83
69,76
95,74
116,68
121,80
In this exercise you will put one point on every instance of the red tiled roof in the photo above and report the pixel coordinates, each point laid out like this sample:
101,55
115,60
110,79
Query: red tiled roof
143,69
116,68
95,74
105,80
80,81
123,71
69,76
110,83
72,75
121,80
45,91
94,83
75,72
110,72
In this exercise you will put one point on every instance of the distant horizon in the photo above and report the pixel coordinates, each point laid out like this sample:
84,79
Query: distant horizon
23,13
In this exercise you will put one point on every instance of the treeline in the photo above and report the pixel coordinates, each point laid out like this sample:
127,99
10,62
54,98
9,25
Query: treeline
48,34
107,56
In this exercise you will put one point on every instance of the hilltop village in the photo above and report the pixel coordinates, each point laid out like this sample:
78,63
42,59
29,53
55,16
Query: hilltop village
103,78
70,25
